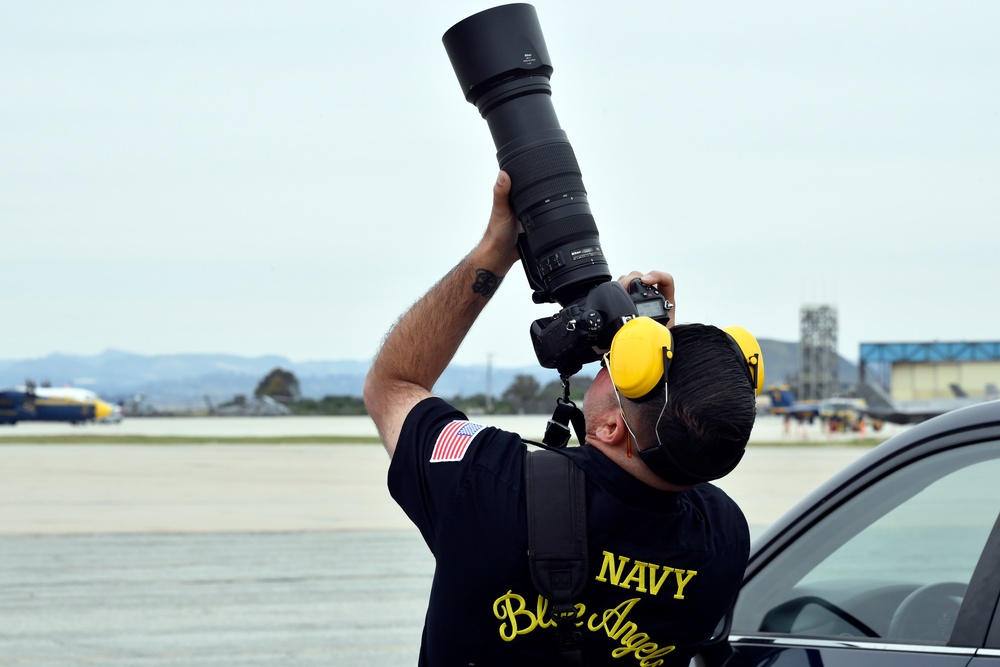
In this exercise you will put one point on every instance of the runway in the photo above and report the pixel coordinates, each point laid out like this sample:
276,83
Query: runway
345,598
243,554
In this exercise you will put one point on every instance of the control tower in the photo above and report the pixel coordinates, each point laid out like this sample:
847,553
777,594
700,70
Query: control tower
818,359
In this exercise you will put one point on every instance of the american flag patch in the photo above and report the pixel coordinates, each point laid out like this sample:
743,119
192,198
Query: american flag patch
454,441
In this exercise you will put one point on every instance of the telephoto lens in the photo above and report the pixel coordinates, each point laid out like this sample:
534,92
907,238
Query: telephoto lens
502,63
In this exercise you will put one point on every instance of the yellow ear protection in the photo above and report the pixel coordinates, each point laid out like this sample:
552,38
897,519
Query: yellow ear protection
640,357
639,361
749,349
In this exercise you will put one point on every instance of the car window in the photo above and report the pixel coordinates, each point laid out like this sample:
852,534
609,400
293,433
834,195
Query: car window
892,562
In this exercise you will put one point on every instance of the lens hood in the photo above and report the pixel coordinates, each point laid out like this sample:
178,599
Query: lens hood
496,44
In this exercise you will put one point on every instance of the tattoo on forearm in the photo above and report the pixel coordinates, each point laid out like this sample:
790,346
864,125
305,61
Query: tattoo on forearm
486,283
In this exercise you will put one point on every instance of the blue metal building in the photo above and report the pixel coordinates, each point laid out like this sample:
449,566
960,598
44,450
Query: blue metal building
925,370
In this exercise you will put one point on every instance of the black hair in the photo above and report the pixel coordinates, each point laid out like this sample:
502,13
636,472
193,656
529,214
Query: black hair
711,404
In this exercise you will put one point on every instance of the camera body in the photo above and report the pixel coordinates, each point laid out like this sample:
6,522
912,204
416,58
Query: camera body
582,331
502,64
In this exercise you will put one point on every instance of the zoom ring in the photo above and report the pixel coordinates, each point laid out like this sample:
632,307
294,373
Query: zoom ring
543,173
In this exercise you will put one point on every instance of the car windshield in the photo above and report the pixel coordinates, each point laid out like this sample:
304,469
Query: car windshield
875,565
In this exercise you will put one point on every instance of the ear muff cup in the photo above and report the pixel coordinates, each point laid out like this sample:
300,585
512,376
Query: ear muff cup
750,350
637,362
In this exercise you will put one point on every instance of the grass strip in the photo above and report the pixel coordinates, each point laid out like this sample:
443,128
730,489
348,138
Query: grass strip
818,444
124,439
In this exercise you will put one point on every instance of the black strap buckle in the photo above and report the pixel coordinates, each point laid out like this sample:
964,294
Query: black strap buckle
569,640
556,433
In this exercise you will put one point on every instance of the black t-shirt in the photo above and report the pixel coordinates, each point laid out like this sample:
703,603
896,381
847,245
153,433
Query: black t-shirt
663,567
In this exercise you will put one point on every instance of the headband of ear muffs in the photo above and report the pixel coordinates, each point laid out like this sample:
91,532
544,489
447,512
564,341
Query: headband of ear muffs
749,349
640,357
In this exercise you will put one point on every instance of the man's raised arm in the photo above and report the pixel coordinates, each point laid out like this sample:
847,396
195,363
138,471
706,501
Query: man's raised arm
423,341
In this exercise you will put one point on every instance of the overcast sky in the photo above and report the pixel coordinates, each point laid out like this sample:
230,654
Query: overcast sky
287,177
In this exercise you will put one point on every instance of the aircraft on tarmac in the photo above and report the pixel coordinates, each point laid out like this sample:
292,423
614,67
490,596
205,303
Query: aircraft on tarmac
880,405
783,403
58,404
836,414
265,406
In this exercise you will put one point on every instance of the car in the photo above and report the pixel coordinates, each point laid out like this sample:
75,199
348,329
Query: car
893,561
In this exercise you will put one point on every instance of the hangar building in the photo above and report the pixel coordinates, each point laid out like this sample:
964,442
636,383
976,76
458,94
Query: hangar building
917,371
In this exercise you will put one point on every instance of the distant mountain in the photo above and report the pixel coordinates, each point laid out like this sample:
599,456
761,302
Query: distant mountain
781,363
185,380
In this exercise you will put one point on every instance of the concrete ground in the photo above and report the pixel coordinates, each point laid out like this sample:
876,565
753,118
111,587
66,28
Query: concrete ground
164,555
86,489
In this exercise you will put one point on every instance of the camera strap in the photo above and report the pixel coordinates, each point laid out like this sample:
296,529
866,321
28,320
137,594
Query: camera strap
557,430
557,541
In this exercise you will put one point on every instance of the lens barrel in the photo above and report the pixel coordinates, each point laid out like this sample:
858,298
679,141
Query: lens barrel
502,63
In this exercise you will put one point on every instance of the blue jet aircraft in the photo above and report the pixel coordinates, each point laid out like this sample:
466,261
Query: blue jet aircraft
783,403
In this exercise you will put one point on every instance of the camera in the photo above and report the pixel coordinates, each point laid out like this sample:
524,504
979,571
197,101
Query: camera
503,66
580,332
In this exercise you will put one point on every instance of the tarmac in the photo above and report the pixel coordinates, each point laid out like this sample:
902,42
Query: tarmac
103,489
244,554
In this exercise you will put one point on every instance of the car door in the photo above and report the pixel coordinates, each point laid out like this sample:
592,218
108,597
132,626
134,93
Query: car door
895,562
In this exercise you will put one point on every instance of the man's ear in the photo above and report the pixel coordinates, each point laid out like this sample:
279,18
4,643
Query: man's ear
611,428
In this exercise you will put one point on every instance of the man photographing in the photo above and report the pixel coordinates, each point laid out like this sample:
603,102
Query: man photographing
666,552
